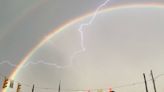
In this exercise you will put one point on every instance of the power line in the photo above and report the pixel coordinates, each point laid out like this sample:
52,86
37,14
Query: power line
75,90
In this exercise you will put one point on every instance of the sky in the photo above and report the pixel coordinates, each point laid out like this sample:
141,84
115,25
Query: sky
25,23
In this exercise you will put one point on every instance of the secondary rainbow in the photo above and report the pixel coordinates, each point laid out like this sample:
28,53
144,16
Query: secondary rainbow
56,31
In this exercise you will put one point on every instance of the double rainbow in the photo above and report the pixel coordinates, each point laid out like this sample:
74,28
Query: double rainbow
56,31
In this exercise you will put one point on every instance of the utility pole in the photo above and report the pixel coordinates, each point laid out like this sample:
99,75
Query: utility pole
145,82
59,86
151,72
33,88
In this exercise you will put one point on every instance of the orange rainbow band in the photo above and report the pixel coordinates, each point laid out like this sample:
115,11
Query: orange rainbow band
56,31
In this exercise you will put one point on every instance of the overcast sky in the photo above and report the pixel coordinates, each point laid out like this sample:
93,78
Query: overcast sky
25,22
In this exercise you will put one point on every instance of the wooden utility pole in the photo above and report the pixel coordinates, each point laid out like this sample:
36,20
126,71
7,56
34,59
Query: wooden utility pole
151,72
59,86
145,82
33,88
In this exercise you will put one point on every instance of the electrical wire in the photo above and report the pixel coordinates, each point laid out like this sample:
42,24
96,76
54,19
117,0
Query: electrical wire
82,90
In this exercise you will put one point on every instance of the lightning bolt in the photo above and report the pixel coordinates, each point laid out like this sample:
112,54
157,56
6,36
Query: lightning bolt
82,46
89,23
83,49
31,63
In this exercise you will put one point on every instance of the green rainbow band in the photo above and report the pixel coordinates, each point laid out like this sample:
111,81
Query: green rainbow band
56,31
